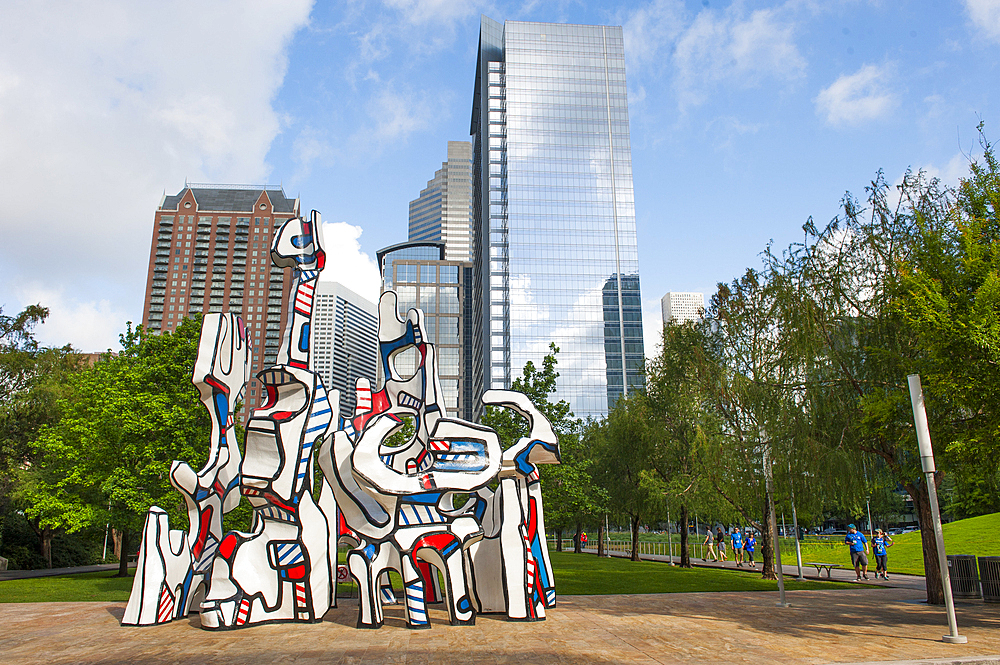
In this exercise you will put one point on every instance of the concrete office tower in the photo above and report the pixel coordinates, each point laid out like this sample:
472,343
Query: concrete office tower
443,212
344,340
682,307
210,252
423,277
554,241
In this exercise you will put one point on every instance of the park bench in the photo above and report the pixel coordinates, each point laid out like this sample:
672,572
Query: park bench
820,566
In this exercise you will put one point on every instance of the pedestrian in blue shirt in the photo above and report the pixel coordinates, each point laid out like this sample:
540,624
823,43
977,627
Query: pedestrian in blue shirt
880,543
859,550
737,539
749,545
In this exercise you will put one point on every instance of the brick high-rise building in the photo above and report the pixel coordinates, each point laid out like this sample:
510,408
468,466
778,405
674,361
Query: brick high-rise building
210,252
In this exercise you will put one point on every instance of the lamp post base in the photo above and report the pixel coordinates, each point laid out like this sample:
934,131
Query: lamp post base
954,639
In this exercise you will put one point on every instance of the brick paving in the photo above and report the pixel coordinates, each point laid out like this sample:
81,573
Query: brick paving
821,627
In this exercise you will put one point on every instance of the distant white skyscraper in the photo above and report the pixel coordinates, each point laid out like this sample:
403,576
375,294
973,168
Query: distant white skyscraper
344,340
443,211
682,306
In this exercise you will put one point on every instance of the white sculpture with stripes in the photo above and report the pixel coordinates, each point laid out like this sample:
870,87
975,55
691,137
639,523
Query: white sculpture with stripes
282,571
397,500
170,577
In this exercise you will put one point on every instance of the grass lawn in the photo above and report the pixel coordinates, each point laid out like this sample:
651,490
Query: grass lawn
576,574
100,587
976,535
585,574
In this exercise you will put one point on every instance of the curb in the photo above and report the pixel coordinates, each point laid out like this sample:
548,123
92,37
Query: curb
967,660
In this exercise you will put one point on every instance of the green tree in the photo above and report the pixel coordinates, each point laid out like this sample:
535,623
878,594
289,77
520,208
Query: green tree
681,419
621,445
951,302
32,380
126,420
568,490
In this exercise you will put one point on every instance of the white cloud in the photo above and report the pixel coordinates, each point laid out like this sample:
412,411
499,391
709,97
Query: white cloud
88,326
346,263
435,11
395,115
736,49
651,28
105,103
854,99
985,15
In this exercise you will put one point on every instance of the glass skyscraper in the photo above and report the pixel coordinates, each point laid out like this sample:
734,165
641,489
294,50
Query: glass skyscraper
443,211
554,246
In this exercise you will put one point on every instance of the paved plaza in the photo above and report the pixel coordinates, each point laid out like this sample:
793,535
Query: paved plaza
821,626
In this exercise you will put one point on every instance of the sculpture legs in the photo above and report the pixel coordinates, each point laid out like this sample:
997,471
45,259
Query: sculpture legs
367,565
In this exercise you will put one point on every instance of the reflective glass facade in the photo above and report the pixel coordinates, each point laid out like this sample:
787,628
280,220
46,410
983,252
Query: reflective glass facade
555,251
443,211
422,278
344,341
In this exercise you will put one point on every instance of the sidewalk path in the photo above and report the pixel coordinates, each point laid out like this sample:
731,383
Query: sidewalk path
53,572
791,571
845,626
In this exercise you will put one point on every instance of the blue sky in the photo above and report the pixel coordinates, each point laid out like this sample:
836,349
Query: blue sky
746,119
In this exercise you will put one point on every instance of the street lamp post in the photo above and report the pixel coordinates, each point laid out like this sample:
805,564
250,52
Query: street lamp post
795,524
927,464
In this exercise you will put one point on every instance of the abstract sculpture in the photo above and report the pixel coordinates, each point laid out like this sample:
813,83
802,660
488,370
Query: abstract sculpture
281,571
443,499
169,580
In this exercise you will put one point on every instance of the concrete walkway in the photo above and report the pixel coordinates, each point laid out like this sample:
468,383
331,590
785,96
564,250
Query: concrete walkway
842,626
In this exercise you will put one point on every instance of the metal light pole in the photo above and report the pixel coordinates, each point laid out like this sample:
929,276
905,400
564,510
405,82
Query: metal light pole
697,534
795,525
927,464
670,541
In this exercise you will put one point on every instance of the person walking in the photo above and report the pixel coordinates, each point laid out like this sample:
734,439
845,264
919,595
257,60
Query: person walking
721,540
880,543
711,550
736,537
749,545
859,551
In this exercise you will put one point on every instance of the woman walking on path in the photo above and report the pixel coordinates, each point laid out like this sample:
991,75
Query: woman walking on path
711,550
749,545
880,543
721,540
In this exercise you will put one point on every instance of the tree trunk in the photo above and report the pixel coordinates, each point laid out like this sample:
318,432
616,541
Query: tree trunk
685,555
577,545
932,571
116,539
600,539
559,535
635,538
44,536
45,544
767,543
123,558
